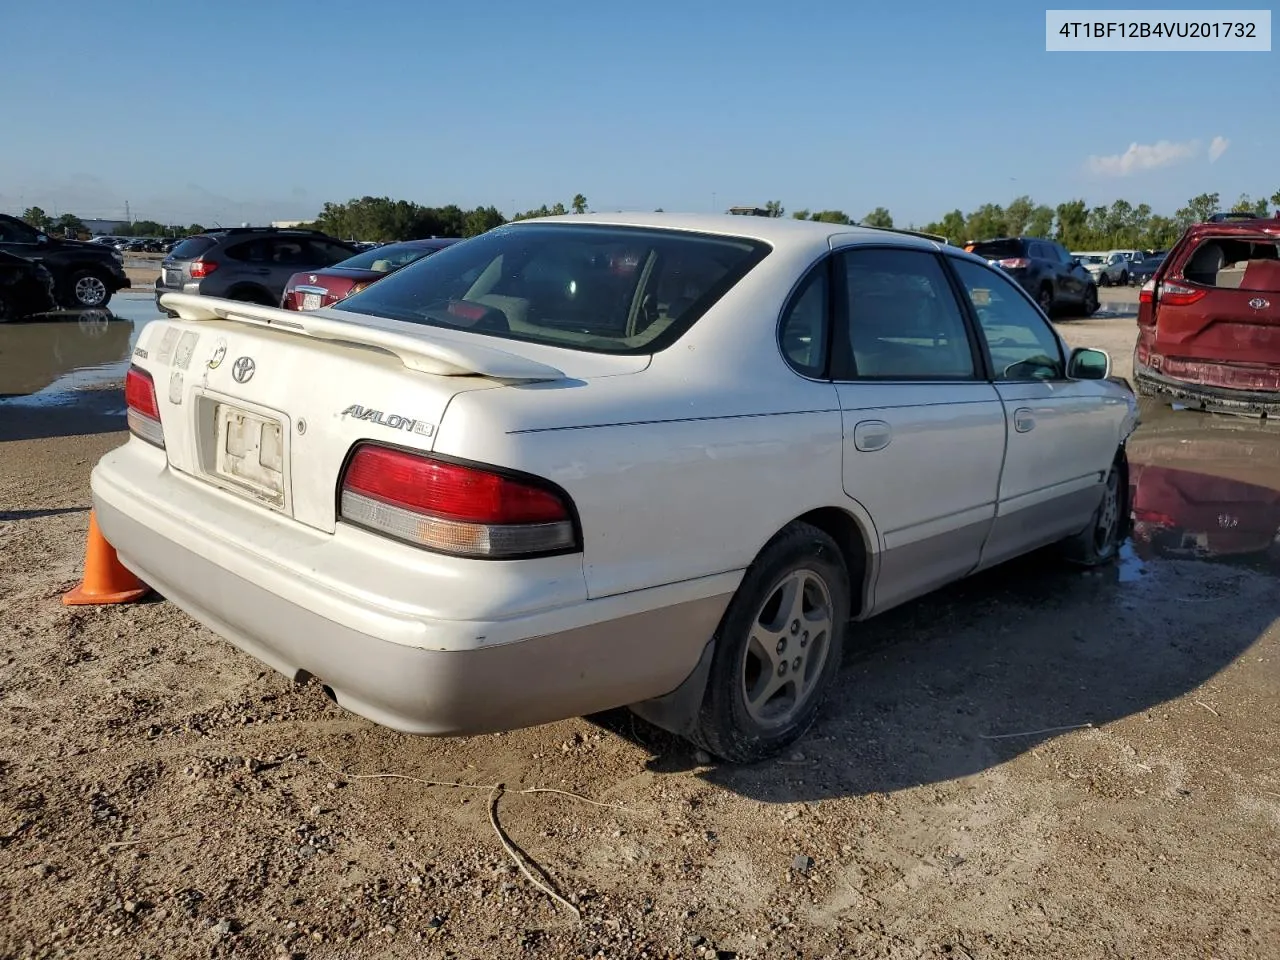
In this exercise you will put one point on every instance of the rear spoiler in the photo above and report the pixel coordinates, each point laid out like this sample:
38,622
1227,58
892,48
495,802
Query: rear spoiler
444,357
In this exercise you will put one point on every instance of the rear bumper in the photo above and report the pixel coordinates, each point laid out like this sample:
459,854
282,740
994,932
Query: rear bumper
377,656
1212,386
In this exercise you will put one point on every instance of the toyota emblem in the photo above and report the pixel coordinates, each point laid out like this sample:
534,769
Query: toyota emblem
1259,304
242,369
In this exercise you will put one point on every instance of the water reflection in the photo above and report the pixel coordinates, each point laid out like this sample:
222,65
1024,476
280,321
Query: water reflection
48,357
1205,487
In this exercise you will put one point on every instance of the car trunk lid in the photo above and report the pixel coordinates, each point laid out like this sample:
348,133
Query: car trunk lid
267,404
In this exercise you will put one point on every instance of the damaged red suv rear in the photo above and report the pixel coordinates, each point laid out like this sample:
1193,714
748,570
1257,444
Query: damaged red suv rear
1209,320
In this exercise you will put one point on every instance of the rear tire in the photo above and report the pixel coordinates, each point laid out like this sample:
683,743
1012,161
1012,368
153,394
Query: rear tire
1124,279
778,648
1090,304
7,310
1099,543
1044,297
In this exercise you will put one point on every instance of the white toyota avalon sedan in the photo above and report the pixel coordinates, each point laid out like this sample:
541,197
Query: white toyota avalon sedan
591,461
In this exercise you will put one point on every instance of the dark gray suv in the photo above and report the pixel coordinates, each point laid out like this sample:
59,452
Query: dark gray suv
246,263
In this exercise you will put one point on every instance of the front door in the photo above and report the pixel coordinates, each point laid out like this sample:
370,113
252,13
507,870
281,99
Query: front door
924,432
1063,434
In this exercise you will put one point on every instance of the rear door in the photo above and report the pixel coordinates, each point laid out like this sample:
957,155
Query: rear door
1073,278
924,432
1220,302
1062,434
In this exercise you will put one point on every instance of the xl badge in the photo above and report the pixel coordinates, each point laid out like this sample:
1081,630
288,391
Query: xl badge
392,420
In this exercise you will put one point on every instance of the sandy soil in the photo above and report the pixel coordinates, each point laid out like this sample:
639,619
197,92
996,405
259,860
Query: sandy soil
164,796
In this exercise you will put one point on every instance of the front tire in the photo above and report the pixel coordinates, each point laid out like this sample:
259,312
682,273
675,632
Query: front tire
1124,279
1099,543
778,648
85,289
1090,304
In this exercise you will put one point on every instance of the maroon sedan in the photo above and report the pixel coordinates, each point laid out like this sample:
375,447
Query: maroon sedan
313,289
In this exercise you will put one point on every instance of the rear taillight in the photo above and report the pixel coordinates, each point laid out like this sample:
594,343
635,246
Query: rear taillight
454,508
144,407
1176,295
1148,292
1015,263
202,268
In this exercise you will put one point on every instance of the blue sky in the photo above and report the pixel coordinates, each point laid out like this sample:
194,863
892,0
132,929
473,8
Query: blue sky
255,111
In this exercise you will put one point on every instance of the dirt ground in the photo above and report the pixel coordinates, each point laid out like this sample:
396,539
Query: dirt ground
1037,762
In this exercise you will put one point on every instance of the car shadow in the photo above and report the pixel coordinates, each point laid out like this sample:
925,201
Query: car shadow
36,514
78,413
994,666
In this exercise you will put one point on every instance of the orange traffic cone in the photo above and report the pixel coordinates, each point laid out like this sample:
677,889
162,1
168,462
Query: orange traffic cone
105,578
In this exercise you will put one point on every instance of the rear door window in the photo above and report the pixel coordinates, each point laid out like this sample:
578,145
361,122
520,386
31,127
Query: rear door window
290,252
903,320
327,252
250,251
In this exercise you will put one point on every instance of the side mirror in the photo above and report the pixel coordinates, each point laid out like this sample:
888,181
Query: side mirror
41,239
1089,364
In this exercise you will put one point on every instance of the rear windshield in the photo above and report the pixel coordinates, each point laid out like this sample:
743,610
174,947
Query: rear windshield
997,249
597,288
388,258
1235,264
192,247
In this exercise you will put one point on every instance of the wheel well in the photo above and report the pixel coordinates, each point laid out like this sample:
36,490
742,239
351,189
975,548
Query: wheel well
841,527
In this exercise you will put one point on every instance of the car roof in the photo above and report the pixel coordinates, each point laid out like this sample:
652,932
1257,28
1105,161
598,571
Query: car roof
1236,228
778,231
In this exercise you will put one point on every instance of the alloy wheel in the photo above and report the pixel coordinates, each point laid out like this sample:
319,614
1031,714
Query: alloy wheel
789,643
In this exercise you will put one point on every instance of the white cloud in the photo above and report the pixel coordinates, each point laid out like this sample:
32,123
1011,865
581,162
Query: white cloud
1217,147
1142,156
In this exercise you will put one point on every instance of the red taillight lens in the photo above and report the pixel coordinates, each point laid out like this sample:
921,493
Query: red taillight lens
1015,263
202,268
1176,295
144,406
1148,292
454,508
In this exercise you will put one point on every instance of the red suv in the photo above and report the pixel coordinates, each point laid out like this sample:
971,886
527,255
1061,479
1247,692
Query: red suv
1209,320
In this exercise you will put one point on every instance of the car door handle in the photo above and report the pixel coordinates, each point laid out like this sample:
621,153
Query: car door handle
871,435
1023,420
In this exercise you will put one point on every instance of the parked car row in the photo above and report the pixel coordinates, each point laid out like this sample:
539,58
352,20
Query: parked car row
295,268
1120,267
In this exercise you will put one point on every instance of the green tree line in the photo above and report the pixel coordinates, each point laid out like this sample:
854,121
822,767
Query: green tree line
381,218
1074,224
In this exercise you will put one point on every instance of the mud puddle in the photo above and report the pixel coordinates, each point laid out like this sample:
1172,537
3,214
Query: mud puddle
48,360
1204,487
